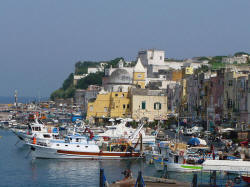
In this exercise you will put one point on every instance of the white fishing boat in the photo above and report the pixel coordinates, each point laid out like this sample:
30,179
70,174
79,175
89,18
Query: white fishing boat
80,147
122,131
37,129
176,157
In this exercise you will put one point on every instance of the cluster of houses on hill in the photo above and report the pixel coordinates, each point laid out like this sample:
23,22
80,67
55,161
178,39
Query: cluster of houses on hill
157,87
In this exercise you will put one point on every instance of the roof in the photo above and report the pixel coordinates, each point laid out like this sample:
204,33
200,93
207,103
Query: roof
139,67
138,91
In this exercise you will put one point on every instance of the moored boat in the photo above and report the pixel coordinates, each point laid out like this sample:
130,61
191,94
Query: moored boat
80,147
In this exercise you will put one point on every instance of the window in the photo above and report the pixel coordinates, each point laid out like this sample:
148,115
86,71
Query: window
116,95
139,76
230,83
91,108
105,109
157,106
160,57
46,136
143,105
127,105
229,103
124,106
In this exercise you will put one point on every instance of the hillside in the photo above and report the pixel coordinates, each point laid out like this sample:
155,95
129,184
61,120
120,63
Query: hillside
68,89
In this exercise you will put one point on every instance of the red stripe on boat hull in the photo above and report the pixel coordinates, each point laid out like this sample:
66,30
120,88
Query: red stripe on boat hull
104,154
246,179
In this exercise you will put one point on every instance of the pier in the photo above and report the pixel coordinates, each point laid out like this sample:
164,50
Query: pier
152,182
142,181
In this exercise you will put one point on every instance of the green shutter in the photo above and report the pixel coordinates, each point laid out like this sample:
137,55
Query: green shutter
143,105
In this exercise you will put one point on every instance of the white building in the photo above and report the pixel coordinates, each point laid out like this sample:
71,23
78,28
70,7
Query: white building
152,57
236,59
78,77
95,70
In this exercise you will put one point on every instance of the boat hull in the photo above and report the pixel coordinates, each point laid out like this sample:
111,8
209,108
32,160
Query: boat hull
22,135
183,167
46,152
246,179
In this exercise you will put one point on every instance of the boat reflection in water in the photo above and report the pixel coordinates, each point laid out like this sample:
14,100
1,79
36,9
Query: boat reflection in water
68,172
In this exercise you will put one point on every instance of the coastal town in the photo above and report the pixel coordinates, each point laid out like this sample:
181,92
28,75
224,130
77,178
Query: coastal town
188,115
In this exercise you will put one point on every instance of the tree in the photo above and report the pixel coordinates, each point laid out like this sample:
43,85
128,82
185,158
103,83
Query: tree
240,53
68,82
82,67
59,93
91,79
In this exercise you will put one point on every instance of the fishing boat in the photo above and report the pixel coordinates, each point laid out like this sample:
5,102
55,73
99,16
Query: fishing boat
36,129
81,147
122,131
179,158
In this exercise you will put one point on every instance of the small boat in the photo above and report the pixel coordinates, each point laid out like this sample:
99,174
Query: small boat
176,157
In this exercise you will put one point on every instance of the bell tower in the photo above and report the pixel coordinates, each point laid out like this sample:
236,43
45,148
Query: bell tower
139,74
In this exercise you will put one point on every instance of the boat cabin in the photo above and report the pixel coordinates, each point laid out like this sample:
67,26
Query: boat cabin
76,139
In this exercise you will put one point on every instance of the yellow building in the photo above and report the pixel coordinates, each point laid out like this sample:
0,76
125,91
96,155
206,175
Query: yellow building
187,71
112,104
139,75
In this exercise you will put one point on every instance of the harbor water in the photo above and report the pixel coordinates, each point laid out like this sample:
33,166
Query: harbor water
19,169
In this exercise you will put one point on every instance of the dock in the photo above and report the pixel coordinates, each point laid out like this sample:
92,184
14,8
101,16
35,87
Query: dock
151,182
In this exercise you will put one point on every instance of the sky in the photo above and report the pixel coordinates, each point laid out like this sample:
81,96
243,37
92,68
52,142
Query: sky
40,41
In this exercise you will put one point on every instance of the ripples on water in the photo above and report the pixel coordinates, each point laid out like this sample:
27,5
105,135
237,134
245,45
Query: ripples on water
18,170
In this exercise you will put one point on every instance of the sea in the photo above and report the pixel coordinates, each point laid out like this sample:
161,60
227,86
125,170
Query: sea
24,99
17,168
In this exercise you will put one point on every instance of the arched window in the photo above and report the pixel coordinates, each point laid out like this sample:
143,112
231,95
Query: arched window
157,106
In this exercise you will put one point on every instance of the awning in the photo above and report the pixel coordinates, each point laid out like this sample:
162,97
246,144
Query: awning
227,165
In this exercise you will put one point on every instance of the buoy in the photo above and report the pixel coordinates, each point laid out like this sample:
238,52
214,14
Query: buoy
34,140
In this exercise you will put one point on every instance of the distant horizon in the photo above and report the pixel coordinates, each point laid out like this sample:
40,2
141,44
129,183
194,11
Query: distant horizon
21,99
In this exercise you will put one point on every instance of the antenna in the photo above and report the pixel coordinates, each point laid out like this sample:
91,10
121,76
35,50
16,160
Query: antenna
15,98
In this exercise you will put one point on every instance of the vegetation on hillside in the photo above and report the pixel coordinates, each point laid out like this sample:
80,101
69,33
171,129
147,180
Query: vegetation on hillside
68,89
92,78
82,67
216,62
241,53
